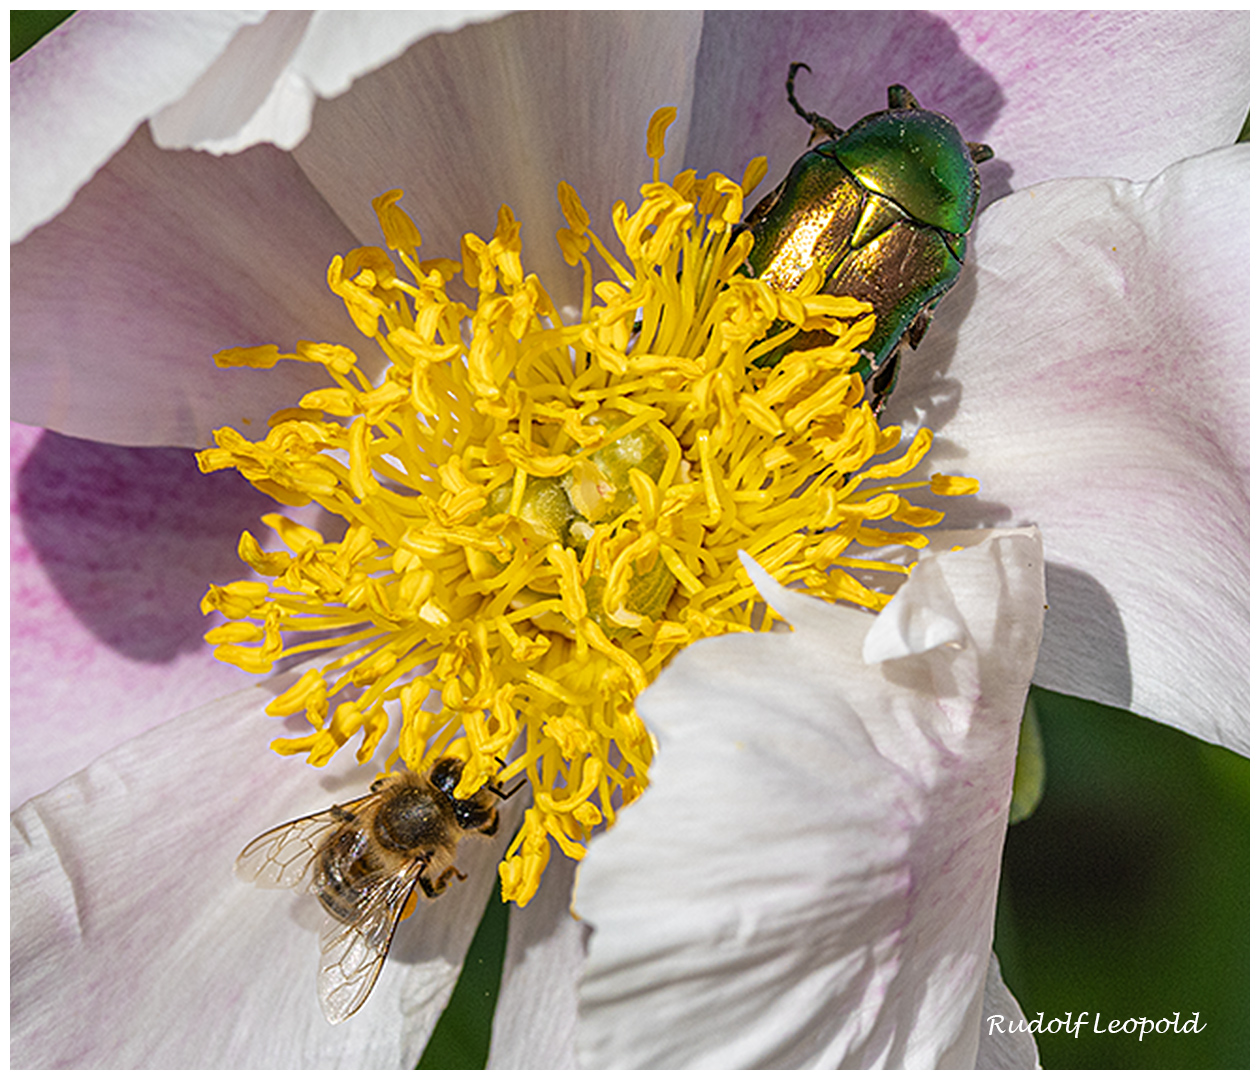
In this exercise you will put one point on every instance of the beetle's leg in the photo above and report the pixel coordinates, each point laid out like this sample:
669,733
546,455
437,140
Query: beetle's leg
821,125
980,151
884,381
901,98
916,330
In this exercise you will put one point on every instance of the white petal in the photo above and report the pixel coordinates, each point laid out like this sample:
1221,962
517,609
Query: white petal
135,946
164,259
499,113
264,85
535,1022
811,877
1005,1041
178,255
917,620
1093,375
244,85
80,92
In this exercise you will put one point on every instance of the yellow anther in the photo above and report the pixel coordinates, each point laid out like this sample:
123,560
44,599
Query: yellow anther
657,126
400,231
254,356
754,173
953,485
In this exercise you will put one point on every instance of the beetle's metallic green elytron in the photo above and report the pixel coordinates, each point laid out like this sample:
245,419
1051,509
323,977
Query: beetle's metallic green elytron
884,208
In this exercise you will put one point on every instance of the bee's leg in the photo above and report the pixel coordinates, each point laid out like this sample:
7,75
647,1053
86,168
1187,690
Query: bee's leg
435,888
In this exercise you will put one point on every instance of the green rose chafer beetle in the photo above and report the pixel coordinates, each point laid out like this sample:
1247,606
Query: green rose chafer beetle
884,208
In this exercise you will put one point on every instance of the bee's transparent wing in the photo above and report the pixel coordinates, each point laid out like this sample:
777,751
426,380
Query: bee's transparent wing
351,954
282,857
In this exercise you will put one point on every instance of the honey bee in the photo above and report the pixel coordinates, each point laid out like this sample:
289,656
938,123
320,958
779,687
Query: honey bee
363,861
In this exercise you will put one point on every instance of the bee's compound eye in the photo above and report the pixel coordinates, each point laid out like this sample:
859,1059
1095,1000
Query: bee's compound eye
446,773
478,814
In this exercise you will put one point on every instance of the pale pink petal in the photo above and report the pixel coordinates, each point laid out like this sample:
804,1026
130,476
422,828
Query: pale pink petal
264,85
811,878
80,92
162,260
1080,95
1054,93
1093,375
111,550
499,113
134,946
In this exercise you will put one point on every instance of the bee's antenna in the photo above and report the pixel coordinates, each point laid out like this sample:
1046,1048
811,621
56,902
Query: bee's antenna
494,789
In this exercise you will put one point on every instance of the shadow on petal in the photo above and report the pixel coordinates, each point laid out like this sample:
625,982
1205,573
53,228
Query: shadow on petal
855,57
1085,650
131,538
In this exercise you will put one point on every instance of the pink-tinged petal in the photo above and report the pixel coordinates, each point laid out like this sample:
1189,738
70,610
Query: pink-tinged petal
1054,93
499,113
811,878
264,85
134,946
162,260
112,549
1093,375
1081,97
79,93
535,1021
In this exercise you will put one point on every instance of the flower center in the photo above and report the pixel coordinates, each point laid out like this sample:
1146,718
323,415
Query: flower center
540,512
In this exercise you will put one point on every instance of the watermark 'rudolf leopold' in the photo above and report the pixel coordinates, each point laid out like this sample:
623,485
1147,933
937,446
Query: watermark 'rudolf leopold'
1134,1025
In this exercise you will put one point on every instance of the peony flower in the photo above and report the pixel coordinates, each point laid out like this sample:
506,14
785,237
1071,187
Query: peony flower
177,254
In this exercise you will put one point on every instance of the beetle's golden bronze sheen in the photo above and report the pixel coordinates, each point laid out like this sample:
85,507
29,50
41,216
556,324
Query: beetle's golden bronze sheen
363,861
821,219
883,209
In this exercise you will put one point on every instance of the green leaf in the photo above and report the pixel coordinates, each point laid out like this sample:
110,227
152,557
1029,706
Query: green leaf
27,27
461,1039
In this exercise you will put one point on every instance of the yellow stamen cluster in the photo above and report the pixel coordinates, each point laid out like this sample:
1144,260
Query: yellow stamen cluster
540,512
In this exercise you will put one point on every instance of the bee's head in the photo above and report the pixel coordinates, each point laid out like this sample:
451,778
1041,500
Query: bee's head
477,813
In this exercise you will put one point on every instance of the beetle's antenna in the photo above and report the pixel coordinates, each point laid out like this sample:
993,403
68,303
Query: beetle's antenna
821,125
980,151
